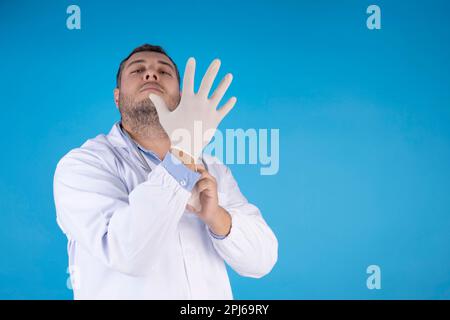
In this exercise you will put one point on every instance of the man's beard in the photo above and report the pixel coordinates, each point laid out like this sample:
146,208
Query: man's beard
140,117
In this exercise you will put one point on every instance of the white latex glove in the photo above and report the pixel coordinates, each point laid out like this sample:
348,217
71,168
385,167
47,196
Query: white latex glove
193,123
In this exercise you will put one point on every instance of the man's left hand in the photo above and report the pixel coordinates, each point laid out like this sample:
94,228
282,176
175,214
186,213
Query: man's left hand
214,216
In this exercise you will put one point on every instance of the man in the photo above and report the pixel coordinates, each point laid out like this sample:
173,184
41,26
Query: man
146,214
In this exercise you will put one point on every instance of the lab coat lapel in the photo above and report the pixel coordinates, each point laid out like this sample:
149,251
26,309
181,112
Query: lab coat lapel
119,141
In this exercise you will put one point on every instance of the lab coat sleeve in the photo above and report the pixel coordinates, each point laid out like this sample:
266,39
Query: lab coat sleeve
251,247
126,230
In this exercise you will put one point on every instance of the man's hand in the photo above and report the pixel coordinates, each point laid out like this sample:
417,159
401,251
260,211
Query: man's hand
208,210
193,123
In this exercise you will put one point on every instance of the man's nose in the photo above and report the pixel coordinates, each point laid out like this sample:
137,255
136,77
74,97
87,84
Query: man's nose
151,74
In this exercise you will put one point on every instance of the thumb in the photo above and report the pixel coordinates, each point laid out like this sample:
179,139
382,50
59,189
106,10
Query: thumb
159,104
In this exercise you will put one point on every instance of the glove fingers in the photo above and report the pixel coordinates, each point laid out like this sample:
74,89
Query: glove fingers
189,75
221,89
227,107
209,77
159,104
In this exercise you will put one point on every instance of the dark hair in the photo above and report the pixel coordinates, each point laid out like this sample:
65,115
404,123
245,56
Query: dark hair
144,47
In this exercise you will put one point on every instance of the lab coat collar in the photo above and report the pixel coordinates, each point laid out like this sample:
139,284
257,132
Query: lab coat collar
116,137
119,140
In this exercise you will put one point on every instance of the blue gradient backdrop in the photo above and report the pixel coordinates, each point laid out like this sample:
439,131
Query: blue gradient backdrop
364,119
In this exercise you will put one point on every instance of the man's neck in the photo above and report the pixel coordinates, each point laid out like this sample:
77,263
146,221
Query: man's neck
157,142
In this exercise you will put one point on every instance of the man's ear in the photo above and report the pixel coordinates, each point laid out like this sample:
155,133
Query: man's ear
116,97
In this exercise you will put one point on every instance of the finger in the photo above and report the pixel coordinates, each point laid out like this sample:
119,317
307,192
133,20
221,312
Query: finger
208,176
204,173
221,89
209,77
227,107
205,184
201,168
191,208
159,104
189,75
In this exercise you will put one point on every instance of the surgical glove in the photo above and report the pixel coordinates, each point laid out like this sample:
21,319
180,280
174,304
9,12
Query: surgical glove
193,123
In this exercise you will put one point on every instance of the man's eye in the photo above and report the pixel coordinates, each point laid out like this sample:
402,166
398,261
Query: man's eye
165,72
137,71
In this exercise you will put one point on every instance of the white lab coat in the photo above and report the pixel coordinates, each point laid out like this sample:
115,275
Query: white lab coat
130,237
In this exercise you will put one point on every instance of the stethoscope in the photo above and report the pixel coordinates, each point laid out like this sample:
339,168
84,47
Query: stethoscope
134,147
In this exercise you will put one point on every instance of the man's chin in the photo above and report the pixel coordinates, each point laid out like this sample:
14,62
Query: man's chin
144,101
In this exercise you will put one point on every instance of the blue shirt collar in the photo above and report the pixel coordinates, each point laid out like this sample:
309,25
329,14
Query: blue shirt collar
149,153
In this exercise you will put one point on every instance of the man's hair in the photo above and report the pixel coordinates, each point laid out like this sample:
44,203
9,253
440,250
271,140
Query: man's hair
144,47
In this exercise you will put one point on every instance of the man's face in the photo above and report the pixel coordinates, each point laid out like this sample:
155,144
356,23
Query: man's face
147,72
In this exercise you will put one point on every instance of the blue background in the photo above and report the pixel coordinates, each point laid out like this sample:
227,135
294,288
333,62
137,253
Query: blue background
364,119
